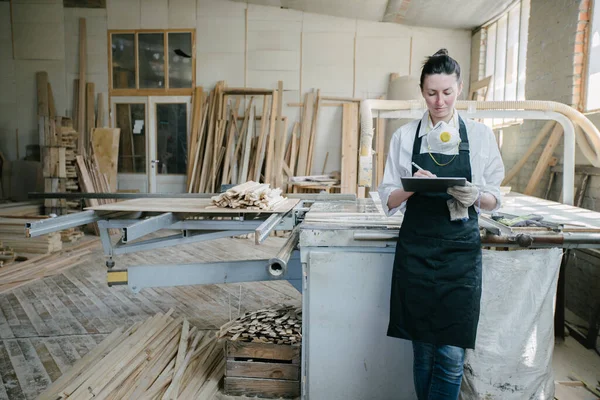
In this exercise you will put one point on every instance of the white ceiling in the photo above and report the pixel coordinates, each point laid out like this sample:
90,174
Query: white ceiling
452,14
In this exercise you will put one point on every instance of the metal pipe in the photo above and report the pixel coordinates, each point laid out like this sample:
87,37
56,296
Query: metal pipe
278,264
262,232
563,114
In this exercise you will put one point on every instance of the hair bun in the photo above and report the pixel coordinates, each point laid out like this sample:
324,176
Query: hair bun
441,52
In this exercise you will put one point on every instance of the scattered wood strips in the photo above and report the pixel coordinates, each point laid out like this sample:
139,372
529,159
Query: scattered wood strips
279,325
249,195
160,358
18,274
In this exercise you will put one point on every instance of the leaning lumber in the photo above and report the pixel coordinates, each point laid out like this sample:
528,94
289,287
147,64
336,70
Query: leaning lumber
18,274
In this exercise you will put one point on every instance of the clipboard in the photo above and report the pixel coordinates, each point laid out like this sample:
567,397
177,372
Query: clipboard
412,184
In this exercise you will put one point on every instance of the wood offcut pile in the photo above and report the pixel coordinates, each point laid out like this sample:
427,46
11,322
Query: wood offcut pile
277,325
250,195
159,358
18,274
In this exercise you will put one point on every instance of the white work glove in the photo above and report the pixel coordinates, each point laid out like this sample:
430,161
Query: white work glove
463,198
466,195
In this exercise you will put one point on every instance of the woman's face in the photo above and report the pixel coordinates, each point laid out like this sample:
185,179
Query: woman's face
440,92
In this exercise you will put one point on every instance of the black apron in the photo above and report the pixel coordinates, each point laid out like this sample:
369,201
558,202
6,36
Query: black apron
436,283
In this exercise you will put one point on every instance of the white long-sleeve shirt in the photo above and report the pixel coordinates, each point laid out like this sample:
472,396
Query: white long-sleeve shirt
487,168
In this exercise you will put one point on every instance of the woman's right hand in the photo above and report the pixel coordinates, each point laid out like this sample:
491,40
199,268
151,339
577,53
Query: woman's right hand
421,173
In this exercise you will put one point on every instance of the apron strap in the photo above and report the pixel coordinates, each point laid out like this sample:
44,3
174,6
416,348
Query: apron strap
416,146
464,138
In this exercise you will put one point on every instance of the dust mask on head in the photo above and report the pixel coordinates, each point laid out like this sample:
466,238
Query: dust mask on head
443,138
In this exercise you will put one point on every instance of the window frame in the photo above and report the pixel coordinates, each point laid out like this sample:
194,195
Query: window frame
593,10
490,49
166,90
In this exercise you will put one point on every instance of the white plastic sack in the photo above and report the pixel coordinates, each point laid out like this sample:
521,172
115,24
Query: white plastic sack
512,359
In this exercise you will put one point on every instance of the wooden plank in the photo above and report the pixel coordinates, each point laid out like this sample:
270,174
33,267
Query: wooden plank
203,206
126,138
271,140
260,149
82,143
530,150
268,351
42,94
271,388
90,113
76,106
542,164
100,111
194,134
248,140
105,143
51,104
247,91
313,132
280,153
204,177
267,370
294,151
349,148
307,114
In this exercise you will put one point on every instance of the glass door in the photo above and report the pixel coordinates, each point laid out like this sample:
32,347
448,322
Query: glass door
130,114
153,142
168,143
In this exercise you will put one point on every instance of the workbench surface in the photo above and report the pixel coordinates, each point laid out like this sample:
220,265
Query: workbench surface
194,206
367,213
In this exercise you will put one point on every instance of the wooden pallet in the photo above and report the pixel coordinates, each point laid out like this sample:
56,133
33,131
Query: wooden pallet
264,370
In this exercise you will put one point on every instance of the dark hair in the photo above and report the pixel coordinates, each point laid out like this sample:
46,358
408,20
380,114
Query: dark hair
440,63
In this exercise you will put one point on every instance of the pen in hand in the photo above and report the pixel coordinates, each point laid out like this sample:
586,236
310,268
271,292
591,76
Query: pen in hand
416,166
422,172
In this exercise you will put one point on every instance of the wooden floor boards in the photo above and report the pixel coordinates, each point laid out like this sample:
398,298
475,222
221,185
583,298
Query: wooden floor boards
49,324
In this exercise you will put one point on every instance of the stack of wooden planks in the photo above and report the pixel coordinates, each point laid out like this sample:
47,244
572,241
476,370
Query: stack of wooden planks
50,139
12,234
279,325
18,274
159,358
20,208
233,142
250,195
69,141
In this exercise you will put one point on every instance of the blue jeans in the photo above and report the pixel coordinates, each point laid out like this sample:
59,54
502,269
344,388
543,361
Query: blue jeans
437,371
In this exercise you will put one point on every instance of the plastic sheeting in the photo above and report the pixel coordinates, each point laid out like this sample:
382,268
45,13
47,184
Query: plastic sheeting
512,359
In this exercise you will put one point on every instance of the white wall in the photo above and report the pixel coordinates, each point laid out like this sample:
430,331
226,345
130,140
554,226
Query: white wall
244,45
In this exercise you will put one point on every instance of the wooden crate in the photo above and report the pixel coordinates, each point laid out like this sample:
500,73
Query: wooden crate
262,369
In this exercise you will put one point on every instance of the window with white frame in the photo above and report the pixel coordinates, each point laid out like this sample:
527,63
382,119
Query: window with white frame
505,52
592,97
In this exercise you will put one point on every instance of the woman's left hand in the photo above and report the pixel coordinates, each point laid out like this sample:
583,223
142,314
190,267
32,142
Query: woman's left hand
467,195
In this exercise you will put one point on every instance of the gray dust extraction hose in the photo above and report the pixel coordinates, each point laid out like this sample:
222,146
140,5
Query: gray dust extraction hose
278,264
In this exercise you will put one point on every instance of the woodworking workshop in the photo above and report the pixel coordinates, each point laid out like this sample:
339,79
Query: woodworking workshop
300,199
